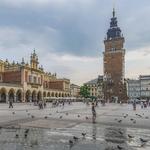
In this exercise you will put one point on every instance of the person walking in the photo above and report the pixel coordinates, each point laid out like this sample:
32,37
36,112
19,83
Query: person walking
10,103
142,106
134,105
93,113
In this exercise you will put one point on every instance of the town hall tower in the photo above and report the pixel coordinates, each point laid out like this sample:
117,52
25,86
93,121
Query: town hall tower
114,63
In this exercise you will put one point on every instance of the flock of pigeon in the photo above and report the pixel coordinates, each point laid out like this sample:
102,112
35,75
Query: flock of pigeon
131,119
75,139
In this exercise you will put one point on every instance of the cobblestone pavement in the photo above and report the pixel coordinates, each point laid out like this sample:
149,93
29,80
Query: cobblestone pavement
52,128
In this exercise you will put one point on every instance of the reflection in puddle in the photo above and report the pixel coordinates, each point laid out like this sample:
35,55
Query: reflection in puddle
116,138
97,138
94,131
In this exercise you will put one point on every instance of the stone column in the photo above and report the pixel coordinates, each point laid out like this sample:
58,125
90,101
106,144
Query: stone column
0,96
23,97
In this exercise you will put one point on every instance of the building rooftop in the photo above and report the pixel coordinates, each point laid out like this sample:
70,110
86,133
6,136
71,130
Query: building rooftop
144,77
94,81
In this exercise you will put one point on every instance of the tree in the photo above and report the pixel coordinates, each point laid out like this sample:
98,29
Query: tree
84,91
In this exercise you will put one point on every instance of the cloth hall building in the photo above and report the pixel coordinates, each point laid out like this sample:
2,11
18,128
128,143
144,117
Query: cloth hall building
23,82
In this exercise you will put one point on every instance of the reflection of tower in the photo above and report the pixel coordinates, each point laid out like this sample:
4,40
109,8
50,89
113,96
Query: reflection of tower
114,62
34,60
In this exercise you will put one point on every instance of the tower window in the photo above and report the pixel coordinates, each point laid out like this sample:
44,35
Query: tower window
113,49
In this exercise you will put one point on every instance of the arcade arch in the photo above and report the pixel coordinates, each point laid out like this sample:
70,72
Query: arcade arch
39,96
19,96
11,95
28,96
48,94
44,94
34,96
3,94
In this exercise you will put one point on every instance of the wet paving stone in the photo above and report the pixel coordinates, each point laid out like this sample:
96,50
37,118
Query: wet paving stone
97,138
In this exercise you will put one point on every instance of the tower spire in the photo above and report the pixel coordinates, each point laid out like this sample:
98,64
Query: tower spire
113,12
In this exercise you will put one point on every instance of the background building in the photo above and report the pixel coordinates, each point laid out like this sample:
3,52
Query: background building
139,89
133,89
96,87
23,82
114,63
74,90
145,86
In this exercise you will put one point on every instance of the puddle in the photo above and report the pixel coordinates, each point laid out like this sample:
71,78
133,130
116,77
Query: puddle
97,138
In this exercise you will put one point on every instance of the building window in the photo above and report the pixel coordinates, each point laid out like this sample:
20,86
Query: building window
30,78
39,80
34,79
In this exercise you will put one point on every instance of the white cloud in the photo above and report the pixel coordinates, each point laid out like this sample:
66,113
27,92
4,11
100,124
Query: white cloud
138,54
137,62
78,69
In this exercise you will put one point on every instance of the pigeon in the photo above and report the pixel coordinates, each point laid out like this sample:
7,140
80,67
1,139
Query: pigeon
131,119
75,138
70,142
119,147
50,114
32,116
26,131
134,121
139,115
28,114
146,117
120,132
60,117
119,121
66,113
143,140
13,112
116,119
83,134
130,136
57,111
25,135
86,118
78,116
17,135
94,137
26,110
45,117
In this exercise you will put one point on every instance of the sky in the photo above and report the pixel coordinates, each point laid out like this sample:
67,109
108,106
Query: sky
68,35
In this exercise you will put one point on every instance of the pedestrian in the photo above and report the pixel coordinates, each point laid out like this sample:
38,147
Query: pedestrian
93,113
11,103
145,105
44,103
96,103
142,105
134,105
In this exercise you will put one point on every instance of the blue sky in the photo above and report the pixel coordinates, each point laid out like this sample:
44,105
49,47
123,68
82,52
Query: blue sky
68,34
